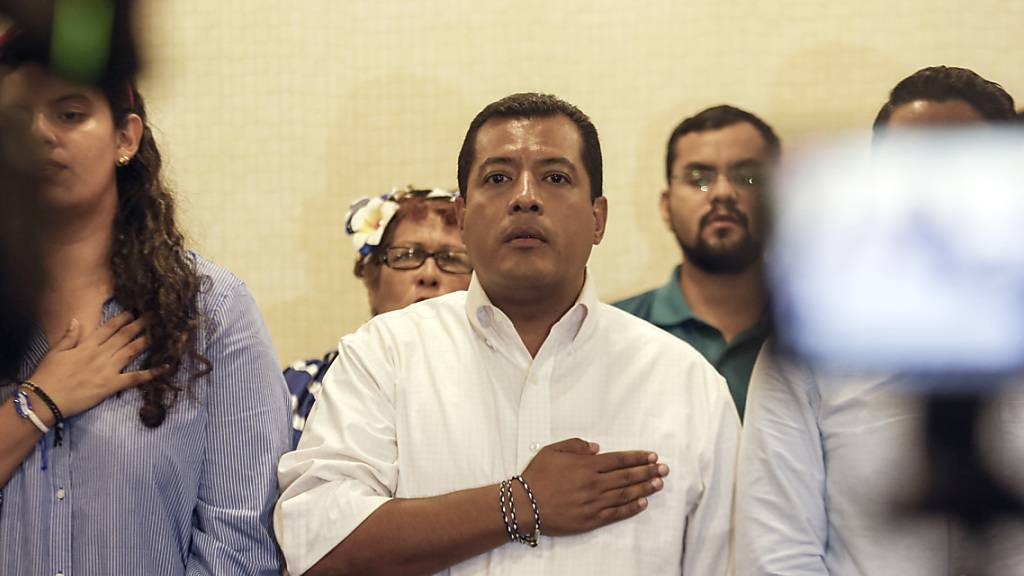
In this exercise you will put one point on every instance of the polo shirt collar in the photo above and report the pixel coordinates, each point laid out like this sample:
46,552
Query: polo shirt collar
668,307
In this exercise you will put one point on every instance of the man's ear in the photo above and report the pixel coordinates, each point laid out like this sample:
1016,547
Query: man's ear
129,135
666,212
600,218
460,212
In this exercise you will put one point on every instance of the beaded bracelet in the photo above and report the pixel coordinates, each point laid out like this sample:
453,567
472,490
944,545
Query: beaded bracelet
58,417
506,485
533,538
508,514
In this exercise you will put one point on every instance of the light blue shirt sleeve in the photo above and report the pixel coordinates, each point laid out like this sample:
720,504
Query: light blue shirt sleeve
248,432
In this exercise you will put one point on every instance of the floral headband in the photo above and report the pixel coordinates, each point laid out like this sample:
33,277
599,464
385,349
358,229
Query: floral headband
368,218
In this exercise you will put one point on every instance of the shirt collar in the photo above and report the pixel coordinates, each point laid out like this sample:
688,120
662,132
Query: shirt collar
484,315
669,308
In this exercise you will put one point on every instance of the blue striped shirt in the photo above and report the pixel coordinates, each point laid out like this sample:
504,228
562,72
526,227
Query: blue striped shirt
193,496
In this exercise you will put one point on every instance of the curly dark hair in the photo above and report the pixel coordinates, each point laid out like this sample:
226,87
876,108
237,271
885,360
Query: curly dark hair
155,277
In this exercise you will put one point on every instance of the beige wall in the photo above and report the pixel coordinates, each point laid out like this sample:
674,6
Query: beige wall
274,115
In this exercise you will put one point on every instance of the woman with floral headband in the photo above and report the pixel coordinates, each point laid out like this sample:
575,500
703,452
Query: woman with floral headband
408,248
141,426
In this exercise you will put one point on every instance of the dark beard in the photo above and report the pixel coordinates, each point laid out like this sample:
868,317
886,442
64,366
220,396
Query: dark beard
730,260
722,259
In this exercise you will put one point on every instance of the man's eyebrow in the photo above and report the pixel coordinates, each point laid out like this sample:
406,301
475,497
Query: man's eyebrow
742,163
747,163
557,161
697,166
496,160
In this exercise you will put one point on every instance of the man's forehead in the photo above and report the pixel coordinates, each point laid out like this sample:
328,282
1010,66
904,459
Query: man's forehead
929,112
544,136
734,142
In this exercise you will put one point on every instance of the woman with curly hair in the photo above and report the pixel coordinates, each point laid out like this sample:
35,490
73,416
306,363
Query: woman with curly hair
140,431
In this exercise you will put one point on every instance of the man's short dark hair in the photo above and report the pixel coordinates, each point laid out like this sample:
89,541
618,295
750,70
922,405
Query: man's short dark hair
944,83
716,118
534,105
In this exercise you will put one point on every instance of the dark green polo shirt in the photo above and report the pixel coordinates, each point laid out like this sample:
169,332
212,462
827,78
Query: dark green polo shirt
666,308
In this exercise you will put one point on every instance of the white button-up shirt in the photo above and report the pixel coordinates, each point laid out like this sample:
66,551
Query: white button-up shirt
443,396
827,460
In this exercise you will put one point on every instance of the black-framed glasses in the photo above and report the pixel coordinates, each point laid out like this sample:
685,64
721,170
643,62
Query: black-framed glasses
744,177
411,258
429,193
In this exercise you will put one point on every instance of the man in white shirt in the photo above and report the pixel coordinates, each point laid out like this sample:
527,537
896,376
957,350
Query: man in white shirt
828,458
408,457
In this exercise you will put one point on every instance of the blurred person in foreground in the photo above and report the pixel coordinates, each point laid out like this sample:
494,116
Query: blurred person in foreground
20,215
828,457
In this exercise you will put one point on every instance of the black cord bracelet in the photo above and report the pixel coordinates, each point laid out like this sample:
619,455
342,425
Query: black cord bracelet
508,512
506,485
58,416
530,539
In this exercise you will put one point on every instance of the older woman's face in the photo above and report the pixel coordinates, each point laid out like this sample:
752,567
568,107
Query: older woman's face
398,288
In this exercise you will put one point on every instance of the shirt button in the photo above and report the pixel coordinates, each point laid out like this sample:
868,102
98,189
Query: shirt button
534,446
60,494
59,574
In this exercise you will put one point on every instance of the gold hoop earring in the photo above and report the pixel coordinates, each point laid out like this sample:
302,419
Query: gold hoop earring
123,161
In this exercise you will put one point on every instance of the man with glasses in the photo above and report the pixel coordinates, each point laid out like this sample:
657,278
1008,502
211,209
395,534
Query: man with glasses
716,166
520,427
408,249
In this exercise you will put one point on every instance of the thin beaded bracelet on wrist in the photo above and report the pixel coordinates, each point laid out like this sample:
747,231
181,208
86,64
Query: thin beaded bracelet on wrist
508,514
506,485
536,536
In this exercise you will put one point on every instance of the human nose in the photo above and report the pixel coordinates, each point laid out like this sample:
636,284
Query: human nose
526,198
42,129
428,275
723,189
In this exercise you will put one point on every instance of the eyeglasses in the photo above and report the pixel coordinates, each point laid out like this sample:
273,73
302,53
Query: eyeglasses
745,177
429,193
409,258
